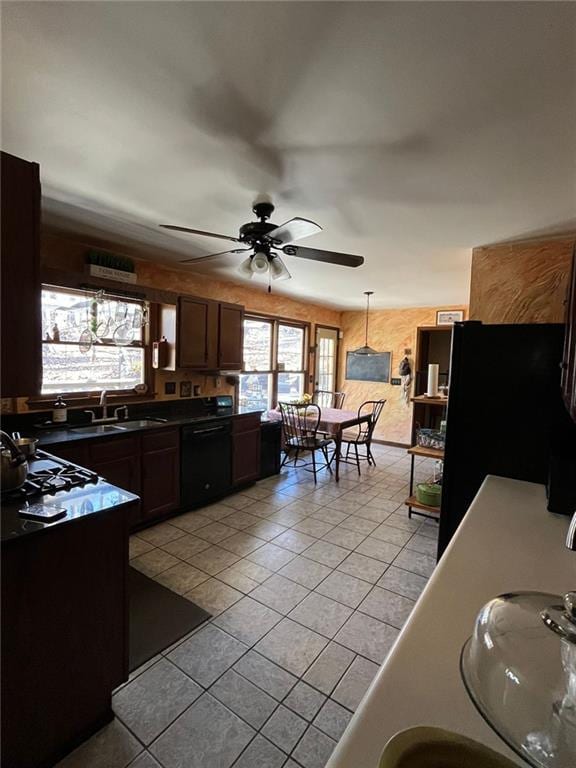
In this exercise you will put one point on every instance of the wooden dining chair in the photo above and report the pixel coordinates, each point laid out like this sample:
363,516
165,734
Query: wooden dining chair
327,399
300,428
361,435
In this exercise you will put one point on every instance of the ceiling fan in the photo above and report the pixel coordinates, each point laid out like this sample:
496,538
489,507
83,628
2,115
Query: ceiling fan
265,240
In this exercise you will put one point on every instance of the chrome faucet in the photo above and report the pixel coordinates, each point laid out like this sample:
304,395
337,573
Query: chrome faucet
123,409
104,403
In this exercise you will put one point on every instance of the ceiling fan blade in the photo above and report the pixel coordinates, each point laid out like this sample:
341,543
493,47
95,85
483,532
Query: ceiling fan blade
328,257
213,255
199,232
295,229
278,269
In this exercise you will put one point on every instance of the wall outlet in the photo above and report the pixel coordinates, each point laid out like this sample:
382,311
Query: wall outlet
396,382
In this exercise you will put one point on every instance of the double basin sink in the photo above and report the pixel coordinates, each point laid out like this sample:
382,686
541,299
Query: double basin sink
122,426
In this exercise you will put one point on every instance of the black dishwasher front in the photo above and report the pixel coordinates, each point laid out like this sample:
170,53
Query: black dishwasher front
206,461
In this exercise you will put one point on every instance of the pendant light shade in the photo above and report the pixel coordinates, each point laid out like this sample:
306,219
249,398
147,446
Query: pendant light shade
366,350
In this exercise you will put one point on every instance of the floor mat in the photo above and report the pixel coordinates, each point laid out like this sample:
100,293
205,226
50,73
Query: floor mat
158,617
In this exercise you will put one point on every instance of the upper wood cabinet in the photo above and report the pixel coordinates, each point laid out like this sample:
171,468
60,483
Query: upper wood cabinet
21,323
209,334
230,337
197,336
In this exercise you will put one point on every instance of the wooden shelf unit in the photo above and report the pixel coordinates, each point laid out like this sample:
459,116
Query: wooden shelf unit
433,345
430,400
428,453
412,502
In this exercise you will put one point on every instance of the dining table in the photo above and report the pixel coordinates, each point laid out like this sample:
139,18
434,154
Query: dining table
333,421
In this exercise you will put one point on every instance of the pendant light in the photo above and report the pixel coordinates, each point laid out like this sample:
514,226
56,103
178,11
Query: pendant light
366,350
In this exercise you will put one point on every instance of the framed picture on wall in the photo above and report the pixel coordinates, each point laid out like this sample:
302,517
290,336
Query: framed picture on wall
449,316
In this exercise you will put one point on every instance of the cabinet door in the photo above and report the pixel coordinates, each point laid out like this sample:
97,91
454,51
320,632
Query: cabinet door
21,325
245,449
76,451
197,333
118,461
124,472
160,473
231,337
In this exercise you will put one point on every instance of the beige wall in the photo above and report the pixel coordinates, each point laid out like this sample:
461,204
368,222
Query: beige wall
390,330
522,282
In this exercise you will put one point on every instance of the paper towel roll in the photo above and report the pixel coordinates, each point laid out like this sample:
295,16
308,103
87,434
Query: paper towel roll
432,390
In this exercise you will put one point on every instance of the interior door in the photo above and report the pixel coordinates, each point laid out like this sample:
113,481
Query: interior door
326,360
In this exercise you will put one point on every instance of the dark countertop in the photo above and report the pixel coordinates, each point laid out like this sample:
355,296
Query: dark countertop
47,437
80,502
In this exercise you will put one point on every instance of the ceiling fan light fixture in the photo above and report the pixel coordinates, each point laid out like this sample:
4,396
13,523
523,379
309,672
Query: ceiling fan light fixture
260,263
245,269
278,269
366,350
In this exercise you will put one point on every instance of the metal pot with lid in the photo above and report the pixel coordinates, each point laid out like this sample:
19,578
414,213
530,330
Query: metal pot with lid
14,467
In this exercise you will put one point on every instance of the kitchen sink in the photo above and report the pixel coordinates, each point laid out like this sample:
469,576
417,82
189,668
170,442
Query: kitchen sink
121,426
139,423
96,429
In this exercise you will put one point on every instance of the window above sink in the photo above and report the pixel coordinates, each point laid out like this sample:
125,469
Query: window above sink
92,341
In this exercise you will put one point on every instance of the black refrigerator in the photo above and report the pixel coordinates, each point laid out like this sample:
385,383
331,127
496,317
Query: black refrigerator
505,410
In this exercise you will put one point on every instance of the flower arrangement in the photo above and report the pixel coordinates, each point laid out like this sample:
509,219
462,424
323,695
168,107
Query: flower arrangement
303,400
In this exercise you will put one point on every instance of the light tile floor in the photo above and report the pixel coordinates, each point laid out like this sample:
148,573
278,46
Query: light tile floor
308,587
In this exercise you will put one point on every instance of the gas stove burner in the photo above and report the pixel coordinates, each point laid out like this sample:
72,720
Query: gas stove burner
49,475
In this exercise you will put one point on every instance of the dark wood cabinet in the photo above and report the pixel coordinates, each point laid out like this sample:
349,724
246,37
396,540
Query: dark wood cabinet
230,337
245,449
197,334
569,357
21,325
65,645
147,465
160,473
118,461
202,335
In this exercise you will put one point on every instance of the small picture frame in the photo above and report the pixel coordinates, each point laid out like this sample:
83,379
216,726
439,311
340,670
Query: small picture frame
185,389
449,316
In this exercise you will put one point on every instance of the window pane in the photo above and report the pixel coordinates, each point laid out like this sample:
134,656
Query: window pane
66,369
68,314
257,345
326,364
290,386
290,343
255,391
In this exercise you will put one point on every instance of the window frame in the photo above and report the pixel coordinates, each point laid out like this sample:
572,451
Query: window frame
88,396
273,372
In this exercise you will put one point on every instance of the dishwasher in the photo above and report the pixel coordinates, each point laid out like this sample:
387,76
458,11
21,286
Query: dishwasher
206,461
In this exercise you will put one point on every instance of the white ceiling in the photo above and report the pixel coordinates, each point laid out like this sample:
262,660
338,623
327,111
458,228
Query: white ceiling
410,131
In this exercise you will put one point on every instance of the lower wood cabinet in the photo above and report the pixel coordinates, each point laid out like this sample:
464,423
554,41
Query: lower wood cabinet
245,448
160,473
65,644
147,465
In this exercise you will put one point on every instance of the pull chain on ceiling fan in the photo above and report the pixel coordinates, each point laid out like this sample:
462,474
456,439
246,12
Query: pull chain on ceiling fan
266,240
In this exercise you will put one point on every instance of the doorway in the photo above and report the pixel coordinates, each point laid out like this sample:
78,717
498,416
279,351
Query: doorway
325,374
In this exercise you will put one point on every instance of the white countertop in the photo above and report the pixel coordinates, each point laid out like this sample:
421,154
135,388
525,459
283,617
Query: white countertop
507,542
